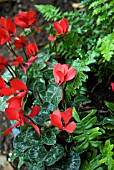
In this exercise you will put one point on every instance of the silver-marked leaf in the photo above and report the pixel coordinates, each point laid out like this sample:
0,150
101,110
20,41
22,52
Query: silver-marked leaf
53,94
56,152
48,137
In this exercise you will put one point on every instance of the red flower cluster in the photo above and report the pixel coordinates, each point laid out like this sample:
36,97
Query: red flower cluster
14,111
16,85
18,61
7,31
57,117
61,27
63,73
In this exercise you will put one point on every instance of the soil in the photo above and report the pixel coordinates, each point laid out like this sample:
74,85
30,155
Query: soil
98,92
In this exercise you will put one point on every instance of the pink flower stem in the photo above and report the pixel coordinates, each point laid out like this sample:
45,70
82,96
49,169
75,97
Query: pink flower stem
41,101
12,70
25,53
11,49
30,119
32,35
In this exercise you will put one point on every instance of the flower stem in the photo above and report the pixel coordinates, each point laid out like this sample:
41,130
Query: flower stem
41,101
25,53
11,49
8,69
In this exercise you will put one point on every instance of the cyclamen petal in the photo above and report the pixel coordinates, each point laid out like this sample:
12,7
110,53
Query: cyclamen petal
67,115
112,85
10,129
56,121
58,28
17,84
2,83
10,26
35,127
61,78
64,23
57,113
3,62
70,127
8,91
70,74
34,112
15,102
12,114
4,36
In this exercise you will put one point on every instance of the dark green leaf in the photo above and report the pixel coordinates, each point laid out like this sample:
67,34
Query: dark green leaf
56,152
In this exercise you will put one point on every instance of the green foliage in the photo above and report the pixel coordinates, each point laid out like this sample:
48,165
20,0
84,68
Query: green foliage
110,105
89,48
107,46
104,11
49,12
33,152
3,103
107,155
92,164
85,131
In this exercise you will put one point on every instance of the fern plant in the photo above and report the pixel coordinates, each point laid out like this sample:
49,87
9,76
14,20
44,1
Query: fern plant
86,133
104,11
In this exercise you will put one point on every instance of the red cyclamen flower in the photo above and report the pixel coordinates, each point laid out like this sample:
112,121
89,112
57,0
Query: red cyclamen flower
18,61
3,63
8,25
16,86
63,73
31,49
7,30
112,85
61,27
15,112
57,117
20,42
26,19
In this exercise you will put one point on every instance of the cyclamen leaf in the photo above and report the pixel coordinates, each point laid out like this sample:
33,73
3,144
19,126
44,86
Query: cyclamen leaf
53,94
56,152
72,162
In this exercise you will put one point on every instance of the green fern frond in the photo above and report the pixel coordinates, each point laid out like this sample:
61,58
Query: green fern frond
107,46
103,9
49,12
